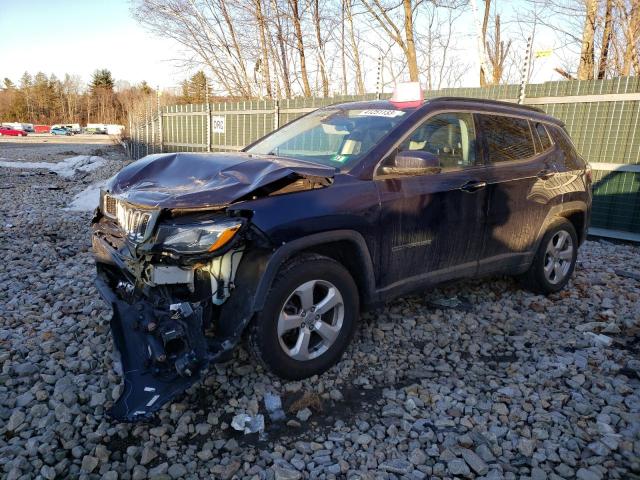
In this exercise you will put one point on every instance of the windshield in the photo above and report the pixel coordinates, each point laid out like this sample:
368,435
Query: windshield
332,136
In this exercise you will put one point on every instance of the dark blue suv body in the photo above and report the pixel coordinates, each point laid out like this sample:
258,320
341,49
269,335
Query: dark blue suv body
342,209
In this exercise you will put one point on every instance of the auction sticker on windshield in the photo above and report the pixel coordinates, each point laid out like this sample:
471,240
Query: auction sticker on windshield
382,113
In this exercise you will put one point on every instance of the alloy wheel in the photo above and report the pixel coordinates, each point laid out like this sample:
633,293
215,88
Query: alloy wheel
558,257
310,320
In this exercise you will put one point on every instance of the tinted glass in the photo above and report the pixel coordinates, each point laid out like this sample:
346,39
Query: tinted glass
449,136
506,138
544,137
571,159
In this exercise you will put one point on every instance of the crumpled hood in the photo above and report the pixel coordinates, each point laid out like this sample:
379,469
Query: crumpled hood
194,180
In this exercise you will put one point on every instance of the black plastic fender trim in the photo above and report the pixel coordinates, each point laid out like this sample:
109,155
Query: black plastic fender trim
289,249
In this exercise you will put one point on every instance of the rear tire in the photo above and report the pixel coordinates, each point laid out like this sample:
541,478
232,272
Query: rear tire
554,261
308,319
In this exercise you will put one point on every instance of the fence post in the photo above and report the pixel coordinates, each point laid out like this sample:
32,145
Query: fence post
276,115
130,143
153,132
525,71
208,110
146,129
159,120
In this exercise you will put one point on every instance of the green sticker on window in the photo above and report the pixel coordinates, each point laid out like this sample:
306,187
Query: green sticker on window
339,158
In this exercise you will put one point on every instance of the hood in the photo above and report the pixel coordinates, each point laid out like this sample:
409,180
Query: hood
194,180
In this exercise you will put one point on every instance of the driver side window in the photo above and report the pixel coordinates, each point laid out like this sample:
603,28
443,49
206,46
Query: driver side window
451,137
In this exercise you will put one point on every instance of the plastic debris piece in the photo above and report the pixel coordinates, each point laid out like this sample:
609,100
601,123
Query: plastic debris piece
247,423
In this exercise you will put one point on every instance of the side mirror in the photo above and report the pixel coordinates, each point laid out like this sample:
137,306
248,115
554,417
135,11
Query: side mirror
413,162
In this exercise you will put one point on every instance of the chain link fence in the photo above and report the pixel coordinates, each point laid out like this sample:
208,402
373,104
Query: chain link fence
602,116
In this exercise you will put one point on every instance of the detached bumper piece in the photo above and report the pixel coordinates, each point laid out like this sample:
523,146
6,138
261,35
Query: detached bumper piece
163,352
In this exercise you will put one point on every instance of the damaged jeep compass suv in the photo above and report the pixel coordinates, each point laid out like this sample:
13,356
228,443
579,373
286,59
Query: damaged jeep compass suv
344,208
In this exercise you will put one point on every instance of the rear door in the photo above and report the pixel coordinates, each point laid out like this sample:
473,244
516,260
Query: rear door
432,224
520,190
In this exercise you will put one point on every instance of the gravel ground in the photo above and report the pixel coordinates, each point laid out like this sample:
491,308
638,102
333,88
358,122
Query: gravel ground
476,379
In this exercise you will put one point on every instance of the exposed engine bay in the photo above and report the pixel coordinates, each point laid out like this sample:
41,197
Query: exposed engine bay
164,318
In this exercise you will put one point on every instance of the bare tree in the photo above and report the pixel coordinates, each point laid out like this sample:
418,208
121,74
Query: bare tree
320,44
606,39
629,18
295,15
354,48
586,66
483,38
264,47
497,52
282,60
382,15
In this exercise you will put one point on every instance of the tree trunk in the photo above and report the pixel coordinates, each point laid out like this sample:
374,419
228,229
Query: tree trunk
631,32
342,45
266,74
606,40
321,57
236,46
411,45
354,46
286,80
300,41
586,67
485,23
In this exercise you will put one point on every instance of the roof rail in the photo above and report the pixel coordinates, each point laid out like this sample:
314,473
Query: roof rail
488,101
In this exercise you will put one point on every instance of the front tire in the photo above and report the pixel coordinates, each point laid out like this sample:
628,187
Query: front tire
555,259
308,319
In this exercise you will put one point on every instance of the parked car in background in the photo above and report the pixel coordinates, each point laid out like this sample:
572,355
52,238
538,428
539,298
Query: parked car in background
72,127
95,129
342,209
60,131
9,131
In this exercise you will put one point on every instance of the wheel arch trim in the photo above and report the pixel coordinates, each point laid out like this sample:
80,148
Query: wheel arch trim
289,249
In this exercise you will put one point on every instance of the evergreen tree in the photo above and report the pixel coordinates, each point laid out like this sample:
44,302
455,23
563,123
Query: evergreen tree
194,90
102,79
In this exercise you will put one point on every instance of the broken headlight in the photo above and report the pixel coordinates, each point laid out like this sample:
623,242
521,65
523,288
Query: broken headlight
197,238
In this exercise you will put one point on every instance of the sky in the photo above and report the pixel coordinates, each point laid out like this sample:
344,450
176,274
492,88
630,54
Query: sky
78,37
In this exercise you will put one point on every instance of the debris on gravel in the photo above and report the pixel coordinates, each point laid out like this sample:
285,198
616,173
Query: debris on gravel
475,379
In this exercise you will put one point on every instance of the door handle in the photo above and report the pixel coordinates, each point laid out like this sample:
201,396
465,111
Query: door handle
545,174
473,186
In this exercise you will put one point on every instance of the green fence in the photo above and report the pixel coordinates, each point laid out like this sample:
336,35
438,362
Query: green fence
602,116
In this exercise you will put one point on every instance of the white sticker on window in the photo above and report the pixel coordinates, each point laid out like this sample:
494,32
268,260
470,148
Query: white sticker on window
382,113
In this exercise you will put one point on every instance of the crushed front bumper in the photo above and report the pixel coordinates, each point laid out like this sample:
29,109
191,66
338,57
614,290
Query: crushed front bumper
162,353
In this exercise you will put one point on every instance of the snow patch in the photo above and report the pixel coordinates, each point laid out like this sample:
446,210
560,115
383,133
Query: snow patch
88,199
66,168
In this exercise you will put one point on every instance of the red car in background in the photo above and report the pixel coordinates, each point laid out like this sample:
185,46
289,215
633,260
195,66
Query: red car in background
12,132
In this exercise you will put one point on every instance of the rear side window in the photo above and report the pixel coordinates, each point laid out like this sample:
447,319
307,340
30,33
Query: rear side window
545,141
506,138
571,159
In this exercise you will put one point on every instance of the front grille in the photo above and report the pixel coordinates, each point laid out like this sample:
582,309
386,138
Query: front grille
136,223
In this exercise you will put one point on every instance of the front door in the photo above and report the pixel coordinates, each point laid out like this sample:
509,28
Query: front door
432,223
